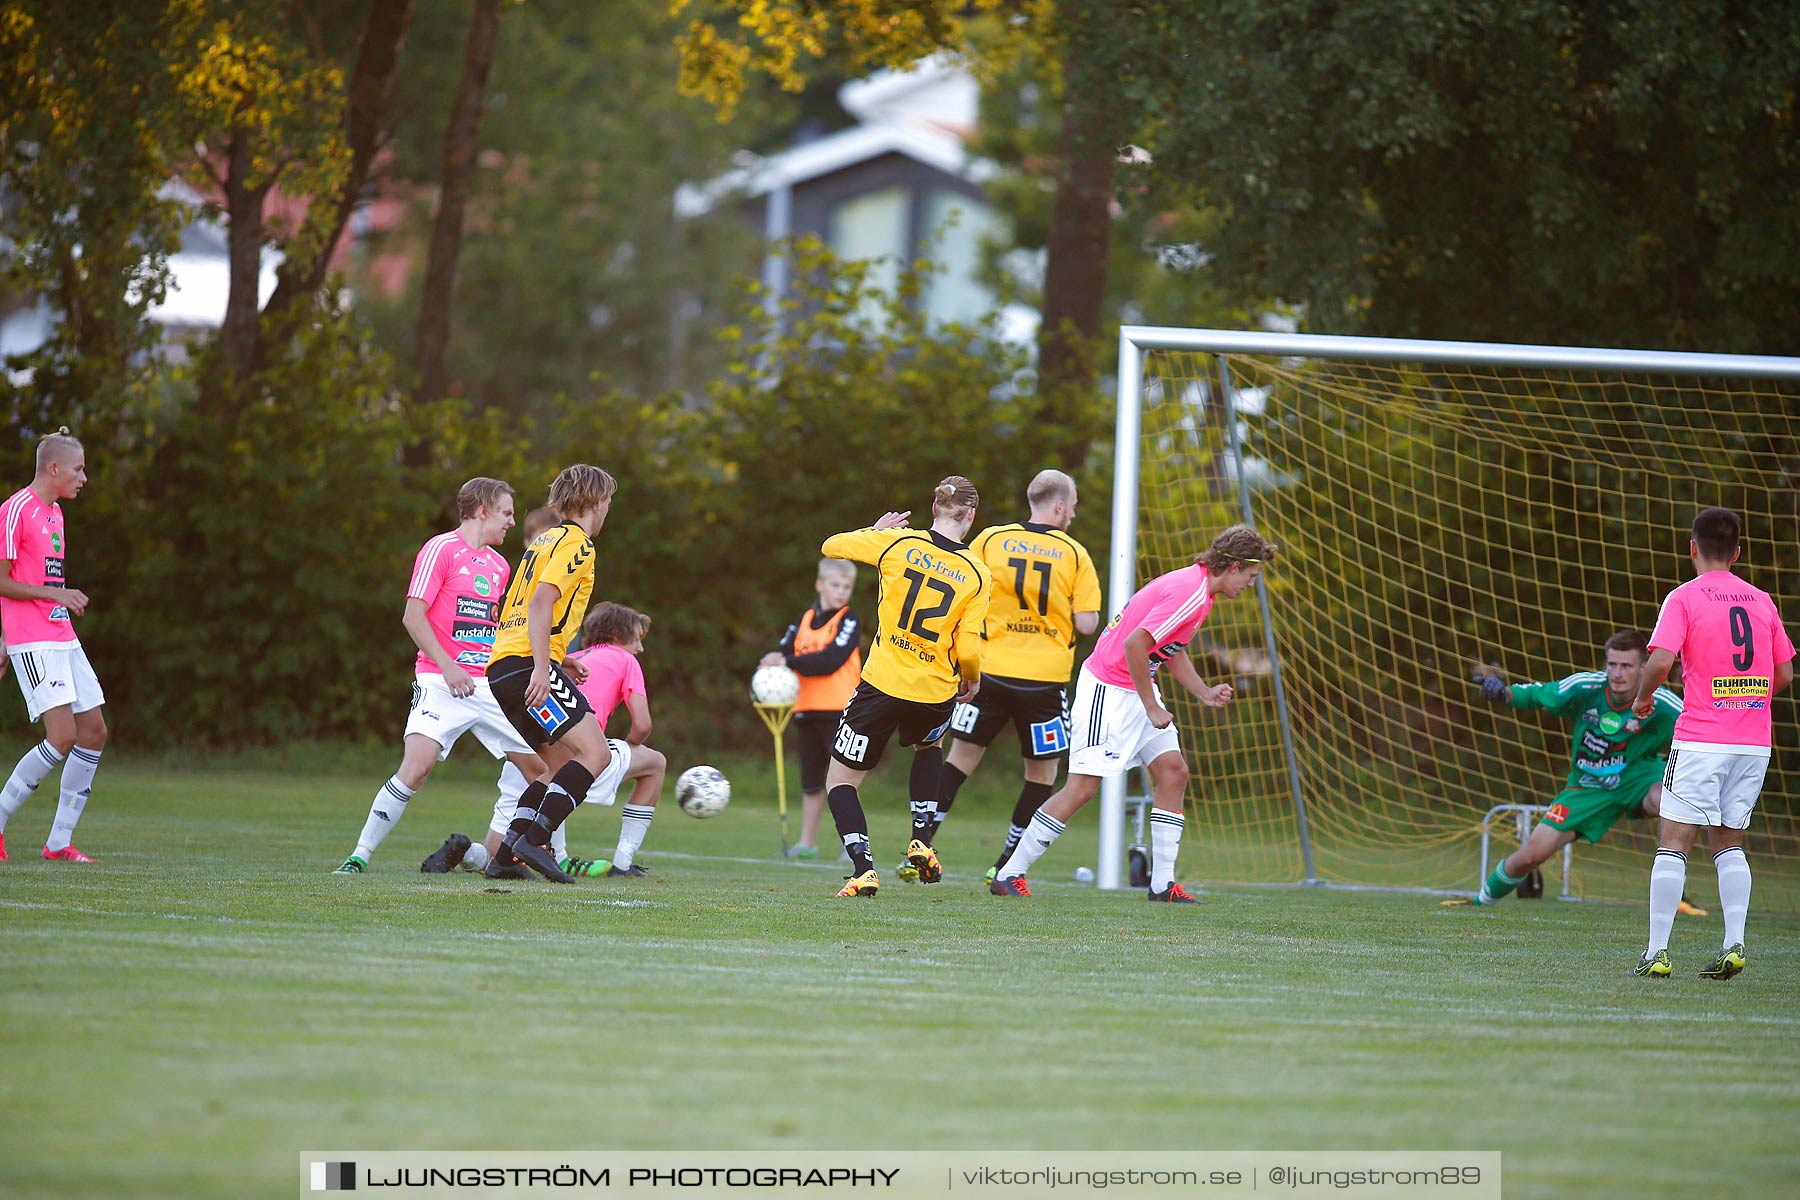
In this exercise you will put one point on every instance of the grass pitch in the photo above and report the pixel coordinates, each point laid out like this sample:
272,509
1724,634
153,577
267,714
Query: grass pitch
183,1017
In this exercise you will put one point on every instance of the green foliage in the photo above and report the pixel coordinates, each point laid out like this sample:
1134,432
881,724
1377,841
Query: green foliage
575,274
1159,269
91,123
247,570
1601,174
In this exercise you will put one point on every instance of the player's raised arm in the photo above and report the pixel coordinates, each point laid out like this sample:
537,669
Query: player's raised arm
864,545
1554,696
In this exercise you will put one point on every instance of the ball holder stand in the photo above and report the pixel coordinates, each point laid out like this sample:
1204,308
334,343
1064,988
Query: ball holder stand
776,717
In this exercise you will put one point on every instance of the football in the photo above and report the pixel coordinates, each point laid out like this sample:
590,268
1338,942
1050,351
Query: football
774,685
703,791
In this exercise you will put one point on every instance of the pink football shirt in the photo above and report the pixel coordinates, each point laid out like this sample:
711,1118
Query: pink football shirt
613,674
1730,639
462,587
1170,606
31,535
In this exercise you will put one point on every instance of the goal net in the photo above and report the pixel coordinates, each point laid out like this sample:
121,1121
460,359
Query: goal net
1439,506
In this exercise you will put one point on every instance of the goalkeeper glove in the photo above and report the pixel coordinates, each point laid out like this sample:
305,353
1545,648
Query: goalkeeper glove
1493,687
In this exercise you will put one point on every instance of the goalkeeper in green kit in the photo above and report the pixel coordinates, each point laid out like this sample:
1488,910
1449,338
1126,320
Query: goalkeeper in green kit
1616,761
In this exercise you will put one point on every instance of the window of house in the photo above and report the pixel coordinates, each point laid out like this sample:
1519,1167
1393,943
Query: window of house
955,228
873,226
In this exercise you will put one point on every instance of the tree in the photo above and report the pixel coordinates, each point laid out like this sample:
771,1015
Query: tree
90,143
574,275
1612,174
364,123
856,35
461,140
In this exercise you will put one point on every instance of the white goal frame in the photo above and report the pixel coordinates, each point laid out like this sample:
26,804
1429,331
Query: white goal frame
1135,340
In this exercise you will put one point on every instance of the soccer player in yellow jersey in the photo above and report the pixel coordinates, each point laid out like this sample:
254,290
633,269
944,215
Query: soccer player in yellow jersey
526,672
927,656
1045,593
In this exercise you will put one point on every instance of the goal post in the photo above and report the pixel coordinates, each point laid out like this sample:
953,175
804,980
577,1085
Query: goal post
1439,505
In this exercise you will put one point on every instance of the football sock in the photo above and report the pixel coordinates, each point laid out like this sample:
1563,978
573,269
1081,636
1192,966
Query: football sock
949,782
634,823
552,812
1668,875
526,811
567,789
1734,890
38,762
852,826
1165,843
1499,885
384,813
513,784
1031,798
922,787
1039,834
77,782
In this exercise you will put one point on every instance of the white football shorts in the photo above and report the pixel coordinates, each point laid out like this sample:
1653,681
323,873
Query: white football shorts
1713,787
55,677
1109,731
605,789
444,718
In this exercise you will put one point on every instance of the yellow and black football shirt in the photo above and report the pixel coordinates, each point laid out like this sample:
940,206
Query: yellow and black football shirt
932,602
1042,578
562,555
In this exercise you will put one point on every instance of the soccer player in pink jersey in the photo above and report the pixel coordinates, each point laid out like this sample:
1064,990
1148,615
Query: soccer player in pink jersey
1735,656
452,604
1118,719
37,611
612,638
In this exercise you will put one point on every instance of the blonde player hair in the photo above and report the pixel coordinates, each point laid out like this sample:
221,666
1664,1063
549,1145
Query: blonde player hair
479,493
1238,544
1047,487
953,493
539,519
837,566
60,446
580,489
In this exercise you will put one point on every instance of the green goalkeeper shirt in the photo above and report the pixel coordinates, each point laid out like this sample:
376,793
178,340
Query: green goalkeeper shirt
1608,740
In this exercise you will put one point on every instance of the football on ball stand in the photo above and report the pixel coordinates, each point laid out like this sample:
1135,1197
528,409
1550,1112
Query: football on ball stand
702,792
774,685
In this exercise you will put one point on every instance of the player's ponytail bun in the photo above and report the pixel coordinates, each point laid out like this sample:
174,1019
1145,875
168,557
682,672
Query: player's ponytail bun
954,492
